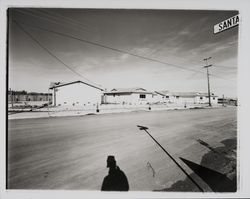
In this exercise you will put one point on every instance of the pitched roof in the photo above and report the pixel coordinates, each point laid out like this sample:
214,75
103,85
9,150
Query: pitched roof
128,90
164,93
192,94
61,84
184,94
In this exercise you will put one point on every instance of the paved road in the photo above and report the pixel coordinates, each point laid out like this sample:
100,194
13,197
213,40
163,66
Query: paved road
71,152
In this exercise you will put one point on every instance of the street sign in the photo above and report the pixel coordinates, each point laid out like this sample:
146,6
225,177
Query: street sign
226,24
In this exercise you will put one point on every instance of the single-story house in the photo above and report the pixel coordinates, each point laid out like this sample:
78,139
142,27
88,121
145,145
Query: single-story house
163,97
228,101
194,98
75,93
23,96
130,96
185,97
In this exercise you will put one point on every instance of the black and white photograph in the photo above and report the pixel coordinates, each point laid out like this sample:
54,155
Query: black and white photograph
122,100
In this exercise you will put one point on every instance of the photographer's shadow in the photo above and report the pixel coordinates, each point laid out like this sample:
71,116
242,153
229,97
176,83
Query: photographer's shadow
116,180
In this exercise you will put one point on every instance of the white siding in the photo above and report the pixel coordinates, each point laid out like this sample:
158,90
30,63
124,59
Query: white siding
132,98
78,94
184,99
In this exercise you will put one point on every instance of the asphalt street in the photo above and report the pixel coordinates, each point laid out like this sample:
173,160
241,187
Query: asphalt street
71,152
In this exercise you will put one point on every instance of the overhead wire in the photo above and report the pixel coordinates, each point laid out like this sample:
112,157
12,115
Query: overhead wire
51,20
193,74
225,67
69,20
62,20
112,48
51,54
122,51
55,17
125,52
31,14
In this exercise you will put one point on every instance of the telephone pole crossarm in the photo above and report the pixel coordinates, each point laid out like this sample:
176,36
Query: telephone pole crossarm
208,66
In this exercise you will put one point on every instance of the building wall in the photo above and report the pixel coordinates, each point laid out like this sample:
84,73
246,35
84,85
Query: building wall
128,98
157,98
184,99
19,98
77,94
29,97
205,100
227,101
195,100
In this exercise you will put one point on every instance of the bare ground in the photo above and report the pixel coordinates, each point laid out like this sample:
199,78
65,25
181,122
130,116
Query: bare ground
71,152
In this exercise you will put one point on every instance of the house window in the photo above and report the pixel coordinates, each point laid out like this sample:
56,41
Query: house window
177,97
167,96
213,98
142,96
201,98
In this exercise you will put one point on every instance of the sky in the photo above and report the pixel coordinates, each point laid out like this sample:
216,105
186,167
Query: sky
180,39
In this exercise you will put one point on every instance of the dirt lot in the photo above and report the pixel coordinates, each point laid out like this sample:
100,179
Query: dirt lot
71,152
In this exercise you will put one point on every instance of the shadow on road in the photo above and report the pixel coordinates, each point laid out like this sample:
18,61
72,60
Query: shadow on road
217,169
116,180
216,181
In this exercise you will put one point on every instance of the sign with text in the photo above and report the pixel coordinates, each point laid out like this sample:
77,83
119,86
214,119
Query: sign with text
227,24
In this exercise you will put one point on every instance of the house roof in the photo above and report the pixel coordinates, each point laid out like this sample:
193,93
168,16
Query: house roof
186,94
206,94
183,94
128,91
61,84
163,93
192,94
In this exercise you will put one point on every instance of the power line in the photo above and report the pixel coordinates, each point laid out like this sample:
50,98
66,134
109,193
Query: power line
193,74
113,49
50,53
31,14
121,51
70,20
51,20
219,77
62,19
225,67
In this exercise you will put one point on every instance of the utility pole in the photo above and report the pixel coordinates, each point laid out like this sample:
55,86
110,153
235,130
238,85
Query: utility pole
208,84
54,89
223,100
